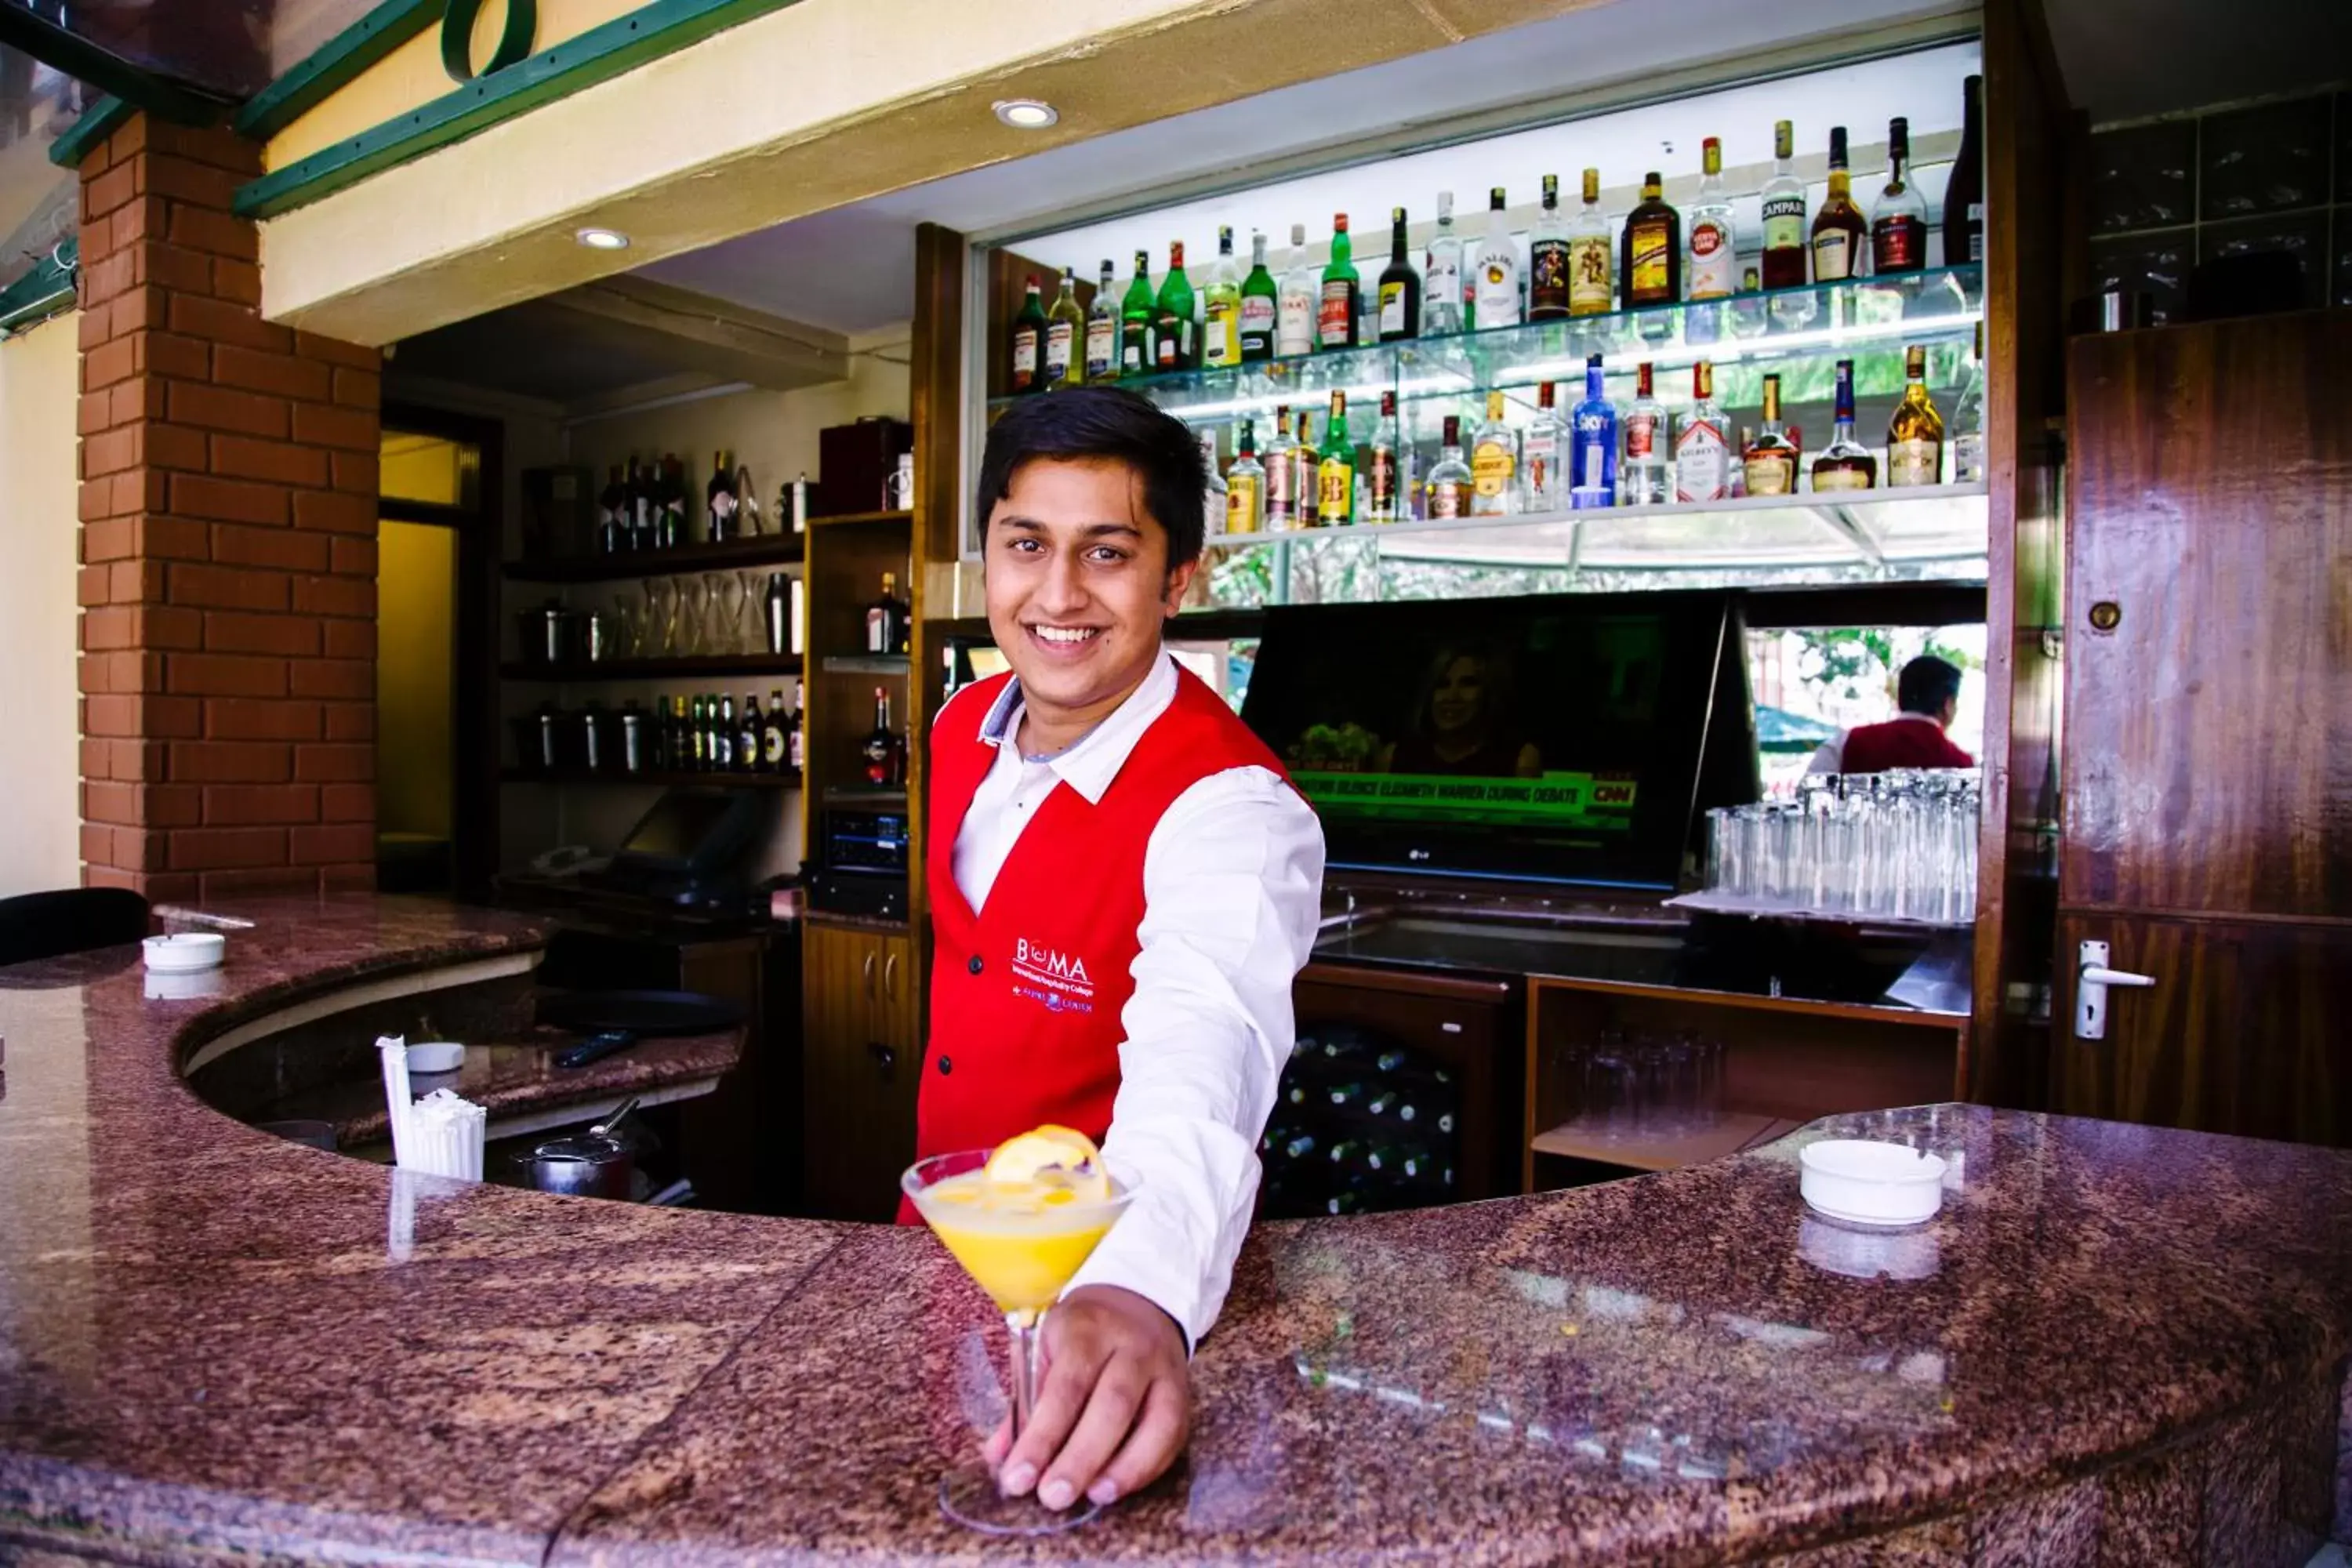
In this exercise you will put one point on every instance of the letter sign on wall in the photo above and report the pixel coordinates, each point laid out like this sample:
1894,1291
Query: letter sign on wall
458,38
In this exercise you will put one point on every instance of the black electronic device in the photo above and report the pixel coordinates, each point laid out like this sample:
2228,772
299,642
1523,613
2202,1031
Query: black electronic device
865,840
879,895
695,846
1556,738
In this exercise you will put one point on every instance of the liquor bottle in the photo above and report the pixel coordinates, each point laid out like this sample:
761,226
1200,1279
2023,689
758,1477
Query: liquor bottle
657,737
612,531
1028,334
1650,260
1258,306
719,503
1647,474
1494,463
1066,337
747,734
1702,456
1174,345
1898,224
773,743
1297,300
723,735
1770,460
1347,1094
1963,187
1743,436
1221,335
1915,436
795,751
695,745
1135,351
1400,296
1846,464
1306,474
1281,475
1246,486
1968,420
1712,268
1336,304
1102,330
1450,482
1385,475
1838,234
1548,268
1592,271
881,747
1495,271
1749,311
1543,457
886,629
1441,300
1335,474
1592,443
1783,198
1213,499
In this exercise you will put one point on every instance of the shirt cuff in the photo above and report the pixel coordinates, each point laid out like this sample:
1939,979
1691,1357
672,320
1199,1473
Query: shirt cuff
1162,1276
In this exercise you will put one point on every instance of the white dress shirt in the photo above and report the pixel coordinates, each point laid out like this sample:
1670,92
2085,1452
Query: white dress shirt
1233,889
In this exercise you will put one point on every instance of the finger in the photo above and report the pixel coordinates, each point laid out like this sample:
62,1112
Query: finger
1151,1446
1062,1396
1117,1395
992,1450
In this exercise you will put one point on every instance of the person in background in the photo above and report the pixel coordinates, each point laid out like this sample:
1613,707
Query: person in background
1928,693
1462,720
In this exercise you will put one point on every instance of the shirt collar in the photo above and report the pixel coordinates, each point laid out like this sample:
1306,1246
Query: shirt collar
1090,765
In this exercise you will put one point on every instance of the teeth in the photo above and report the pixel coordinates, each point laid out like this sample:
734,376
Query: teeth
1065,634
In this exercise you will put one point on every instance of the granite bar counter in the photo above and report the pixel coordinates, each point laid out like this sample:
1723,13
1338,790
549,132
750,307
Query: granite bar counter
2114,1345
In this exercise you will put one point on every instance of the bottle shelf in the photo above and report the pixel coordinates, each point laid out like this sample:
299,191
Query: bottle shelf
1932,533
678,668
864,664
1871,321
759,549
864,795
787,780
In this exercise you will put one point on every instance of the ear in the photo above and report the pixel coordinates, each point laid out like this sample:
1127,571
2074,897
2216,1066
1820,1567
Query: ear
1180,578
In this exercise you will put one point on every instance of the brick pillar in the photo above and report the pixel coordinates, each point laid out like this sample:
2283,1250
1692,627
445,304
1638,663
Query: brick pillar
228,488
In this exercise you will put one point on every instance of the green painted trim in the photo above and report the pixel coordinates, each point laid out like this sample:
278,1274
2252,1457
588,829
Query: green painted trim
99,121
598,55
41,293
334,65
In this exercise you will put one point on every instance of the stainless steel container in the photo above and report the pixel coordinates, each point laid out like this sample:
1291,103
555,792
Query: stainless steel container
584,1167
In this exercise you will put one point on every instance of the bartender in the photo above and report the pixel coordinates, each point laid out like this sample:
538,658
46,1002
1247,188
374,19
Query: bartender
1123,887
1928,693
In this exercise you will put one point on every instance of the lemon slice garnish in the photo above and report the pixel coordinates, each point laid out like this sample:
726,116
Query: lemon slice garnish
1059,1157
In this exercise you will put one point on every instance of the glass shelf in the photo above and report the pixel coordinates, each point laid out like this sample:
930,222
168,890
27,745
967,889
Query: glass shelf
1869,320
1935,534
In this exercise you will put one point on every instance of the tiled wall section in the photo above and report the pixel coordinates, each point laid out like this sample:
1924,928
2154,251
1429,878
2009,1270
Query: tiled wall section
227,500
2260,1490
2274,176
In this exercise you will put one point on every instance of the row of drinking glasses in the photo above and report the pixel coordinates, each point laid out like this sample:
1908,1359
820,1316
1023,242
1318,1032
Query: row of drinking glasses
683,615
1901,843
1636,1083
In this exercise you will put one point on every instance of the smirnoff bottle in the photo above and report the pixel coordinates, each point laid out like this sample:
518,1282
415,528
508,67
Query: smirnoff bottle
1647,474
1702,455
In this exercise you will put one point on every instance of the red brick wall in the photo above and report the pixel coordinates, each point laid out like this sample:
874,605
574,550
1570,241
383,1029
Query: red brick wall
228,485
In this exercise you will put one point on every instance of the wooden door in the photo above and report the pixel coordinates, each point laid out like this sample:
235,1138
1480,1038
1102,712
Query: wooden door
861,1067
2207,780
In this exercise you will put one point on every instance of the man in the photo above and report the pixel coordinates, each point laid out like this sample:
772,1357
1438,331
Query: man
1123,886
1928,693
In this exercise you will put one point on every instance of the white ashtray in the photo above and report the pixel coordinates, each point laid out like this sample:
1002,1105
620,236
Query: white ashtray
1863,1182
185,951
436,1056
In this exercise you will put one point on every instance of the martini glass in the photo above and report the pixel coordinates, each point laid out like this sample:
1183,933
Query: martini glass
1021,1250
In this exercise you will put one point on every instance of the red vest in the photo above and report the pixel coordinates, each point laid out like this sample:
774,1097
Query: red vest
1900,743
1026,992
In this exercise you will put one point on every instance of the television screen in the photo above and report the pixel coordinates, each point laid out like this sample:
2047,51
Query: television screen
1555,737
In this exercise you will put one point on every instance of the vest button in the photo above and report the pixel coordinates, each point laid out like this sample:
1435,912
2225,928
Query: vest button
947,1065
975,965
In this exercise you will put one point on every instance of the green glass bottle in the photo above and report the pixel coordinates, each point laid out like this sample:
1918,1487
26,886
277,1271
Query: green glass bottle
1176,344
1028,341
1135,320
1335,474
1220,345
1335,315
1260,300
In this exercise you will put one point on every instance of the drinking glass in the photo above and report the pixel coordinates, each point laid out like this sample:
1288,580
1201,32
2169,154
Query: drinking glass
661,607
695,614
1022,1258
727,614
752,619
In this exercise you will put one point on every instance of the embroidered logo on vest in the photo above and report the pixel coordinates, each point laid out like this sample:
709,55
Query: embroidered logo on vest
1057,979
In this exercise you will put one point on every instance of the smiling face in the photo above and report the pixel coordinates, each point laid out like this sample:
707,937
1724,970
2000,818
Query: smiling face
1460,693
1078,584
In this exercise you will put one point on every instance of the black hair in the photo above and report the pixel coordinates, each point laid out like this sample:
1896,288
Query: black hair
1105,421
1926,684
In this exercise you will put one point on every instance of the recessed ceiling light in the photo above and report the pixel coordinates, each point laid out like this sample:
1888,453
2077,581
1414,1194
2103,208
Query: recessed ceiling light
1026,114
602,238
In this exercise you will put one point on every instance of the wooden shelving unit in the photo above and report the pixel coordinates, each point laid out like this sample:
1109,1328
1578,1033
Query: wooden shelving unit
679,668
1664,1147
790,779
758,549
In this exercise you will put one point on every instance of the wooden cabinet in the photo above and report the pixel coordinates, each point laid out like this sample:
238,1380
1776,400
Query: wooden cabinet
862,1063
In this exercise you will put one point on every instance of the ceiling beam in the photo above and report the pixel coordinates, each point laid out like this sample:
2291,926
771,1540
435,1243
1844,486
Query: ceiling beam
711,336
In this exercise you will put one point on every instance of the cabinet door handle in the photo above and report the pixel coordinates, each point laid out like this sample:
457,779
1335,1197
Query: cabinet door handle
890,977
885,1059
869,977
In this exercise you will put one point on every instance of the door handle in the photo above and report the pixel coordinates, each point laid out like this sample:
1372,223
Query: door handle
890,977
885,1059
869,977
2092,979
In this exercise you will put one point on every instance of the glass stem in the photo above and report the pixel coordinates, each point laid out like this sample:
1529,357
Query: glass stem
1023,1327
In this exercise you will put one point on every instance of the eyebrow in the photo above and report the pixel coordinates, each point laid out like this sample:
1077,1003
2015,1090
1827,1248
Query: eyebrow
1090,530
